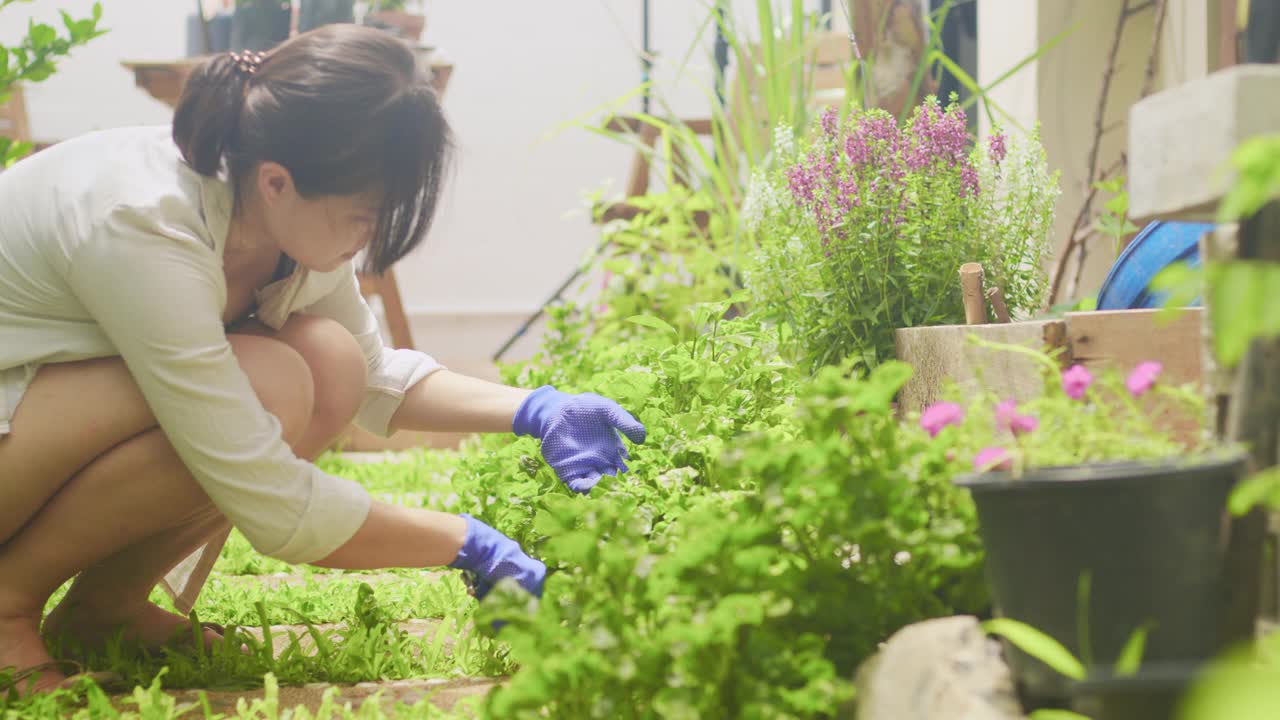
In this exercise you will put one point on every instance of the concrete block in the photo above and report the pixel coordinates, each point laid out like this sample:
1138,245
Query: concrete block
1180,140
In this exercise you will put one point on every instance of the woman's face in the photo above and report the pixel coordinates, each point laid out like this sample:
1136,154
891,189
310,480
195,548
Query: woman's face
319,233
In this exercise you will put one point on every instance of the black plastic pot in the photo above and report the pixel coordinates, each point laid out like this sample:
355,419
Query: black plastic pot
1151,539
316,13
1153,693
259,25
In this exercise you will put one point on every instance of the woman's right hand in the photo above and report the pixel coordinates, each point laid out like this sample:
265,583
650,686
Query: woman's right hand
490,556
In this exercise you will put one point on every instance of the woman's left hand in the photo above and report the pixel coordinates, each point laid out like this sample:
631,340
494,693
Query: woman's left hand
579,434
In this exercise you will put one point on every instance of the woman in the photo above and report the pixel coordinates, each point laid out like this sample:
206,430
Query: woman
181,332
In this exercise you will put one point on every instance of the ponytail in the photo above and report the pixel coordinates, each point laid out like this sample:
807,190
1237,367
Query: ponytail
205,123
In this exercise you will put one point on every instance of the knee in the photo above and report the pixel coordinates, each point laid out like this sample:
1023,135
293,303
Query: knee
336,364
282,380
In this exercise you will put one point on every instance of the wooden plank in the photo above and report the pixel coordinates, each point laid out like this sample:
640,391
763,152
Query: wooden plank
944,354
1121,339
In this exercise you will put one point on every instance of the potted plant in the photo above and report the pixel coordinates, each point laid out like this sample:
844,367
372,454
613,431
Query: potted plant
315,13
1099,517
259,25
864,227
394,15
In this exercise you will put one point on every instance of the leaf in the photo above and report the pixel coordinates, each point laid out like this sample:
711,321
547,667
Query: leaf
1038,645
1131,654
1260,489
1257,162
650,321
41,35
1056,714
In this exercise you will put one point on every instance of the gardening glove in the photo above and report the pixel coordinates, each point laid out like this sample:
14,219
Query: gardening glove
488,556
579,434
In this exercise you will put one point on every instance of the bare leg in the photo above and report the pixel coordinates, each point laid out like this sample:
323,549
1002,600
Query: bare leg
126,497
337,370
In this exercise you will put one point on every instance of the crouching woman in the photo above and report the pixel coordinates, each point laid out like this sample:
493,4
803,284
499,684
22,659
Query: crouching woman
182,333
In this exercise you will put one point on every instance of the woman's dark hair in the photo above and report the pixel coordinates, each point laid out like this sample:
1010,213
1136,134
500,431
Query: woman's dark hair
345,109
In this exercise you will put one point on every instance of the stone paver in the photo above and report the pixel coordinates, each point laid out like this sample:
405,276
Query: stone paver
278,580
443,693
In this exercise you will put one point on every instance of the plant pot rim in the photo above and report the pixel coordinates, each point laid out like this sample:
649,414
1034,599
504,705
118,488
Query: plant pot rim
1100,472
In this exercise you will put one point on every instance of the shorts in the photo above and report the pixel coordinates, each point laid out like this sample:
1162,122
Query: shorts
13,385
184,581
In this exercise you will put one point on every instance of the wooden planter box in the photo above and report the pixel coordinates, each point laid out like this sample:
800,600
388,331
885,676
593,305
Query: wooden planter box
1116,338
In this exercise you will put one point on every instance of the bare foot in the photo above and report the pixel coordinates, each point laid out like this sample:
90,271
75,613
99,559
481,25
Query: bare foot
22,651
150,626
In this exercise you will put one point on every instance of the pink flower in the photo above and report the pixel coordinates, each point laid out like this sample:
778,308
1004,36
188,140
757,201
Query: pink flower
1076,380
940,415
1143,377
1007,418
992,458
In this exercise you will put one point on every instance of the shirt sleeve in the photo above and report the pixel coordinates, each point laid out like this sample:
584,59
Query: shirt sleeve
157,295
391,371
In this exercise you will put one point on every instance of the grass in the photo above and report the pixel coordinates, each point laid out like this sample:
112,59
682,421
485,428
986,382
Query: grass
368,643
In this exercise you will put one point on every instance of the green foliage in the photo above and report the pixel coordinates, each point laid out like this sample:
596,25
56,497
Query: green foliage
772,530
1113,221
35,58
1257,165
677,252
864,230
1038,645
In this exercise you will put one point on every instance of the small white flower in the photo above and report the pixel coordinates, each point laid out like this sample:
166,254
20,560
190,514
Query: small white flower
902,557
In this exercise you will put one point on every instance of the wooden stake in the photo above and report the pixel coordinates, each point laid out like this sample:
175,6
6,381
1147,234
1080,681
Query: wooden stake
1001,310
975,305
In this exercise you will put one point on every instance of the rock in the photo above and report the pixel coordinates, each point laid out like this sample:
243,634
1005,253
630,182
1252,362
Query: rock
943,669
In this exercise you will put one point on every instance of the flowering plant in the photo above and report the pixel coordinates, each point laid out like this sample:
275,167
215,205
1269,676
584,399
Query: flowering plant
1079,418
866,224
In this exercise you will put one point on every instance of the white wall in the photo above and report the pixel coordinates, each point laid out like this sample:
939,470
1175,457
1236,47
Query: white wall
513,224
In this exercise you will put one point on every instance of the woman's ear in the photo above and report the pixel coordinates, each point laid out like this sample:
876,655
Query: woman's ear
274,183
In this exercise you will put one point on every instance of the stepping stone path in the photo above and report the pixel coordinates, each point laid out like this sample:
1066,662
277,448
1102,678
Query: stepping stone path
444,693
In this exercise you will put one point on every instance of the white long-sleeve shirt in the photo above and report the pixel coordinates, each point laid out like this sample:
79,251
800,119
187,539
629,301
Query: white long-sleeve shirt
110,245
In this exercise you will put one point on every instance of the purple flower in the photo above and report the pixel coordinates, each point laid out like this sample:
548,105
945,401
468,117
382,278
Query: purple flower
1007,418
800,180
1076,380
940,415
829,119
995,144
992,458
968,181
1143,377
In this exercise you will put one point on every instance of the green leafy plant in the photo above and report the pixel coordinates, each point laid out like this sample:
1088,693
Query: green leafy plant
865,229
754,554
1113,221
35,58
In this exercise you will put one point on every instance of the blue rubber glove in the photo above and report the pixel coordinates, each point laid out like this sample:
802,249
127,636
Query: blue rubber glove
579,434
488,556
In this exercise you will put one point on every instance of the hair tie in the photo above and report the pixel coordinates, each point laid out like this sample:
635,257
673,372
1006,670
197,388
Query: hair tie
247,63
